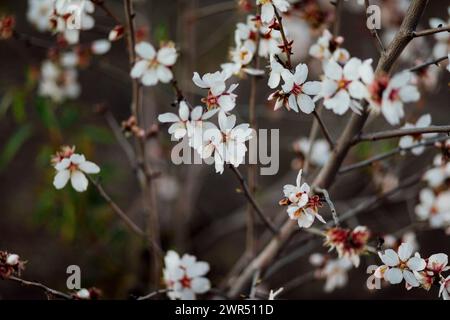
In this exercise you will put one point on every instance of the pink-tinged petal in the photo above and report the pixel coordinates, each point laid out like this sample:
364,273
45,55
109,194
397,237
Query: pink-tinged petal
305,103
89,167
393,275
168,117
312,87
437,262
63,164
410,278
145,50
61,179
200,285
390,258
79,181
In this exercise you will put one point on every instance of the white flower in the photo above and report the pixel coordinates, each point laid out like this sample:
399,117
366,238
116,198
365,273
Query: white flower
444,289
327,47
437,175
410,141
218,95
58,83
320,150
83,294
268,10
39,13
269,42
153,67
69,17
185,276
241,56
342,88
437,263
100,47
226,145
186,122
336,273
276,72
435,208
300,91
12,260
300,208
398,92
399,266
441,47
74,168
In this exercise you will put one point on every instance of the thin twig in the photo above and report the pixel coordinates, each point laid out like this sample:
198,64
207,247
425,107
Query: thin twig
120,213
324,129
330,204
48,290
388,134
101,4
255,283
153,294
252,201
427,64
389,154
427,32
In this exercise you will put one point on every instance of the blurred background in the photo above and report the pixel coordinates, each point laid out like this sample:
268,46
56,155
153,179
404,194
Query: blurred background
201,212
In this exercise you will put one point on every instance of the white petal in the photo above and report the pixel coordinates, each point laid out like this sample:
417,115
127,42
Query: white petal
390,258
405,251
198,269
312,87
293,103
139,69
61,179
267,12
145,50
183,111
301,73
409,94
164,74
357,90
410,278
200,285
305,103
394,275
89,167
167,56
226,102
168,117
79,181
351,69
416,264
333,70
150,78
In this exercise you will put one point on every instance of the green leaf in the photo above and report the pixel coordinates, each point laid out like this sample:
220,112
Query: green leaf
14,144
18,106
46,113
161,33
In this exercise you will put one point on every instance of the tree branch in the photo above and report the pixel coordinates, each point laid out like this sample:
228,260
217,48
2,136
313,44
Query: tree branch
427,64
324,129
388,134
46,289
427,32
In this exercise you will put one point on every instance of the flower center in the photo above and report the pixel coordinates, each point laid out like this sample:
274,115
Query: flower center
394,94
343,83
186,282
296,89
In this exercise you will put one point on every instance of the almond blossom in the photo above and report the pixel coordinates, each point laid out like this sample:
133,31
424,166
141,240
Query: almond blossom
39,13
440,172
401,265
335,271
434,208
226,145
186,122
296,91
348,243
218,95
58,83
72,166
342,87
241,57
436,264
268,8
325,46
185,276
409,141
100,47
7,25
154,66
301,206
319,153
10,265
65,13
389,95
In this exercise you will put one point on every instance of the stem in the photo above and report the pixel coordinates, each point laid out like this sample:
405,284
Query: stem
324,129
101,4
427,32
153,294
429,63
286,44
46,289
252,201
388,134
330,204
374,32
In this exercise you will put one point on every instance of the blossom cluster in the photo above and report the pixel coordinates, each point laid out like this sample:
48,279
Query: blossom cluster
434,199
416,271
